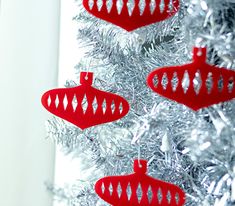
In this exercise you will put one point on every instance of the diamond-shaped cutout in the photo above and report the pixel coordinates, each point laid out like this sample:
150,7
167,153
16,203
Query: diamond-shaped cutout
57,101
119,190
111,189
185,81
109,5
49,101
150,194
74,103
104,106
152,6
159,195
65,102
129,191
162,6
164,81
197,82
142,5
230,84
139,192
91,4
174,81
170,5
102,188
84,104
99,4
220,83
113,107
119,5
177,198
120,108
130,6
209,82
155,81
94,105
168,196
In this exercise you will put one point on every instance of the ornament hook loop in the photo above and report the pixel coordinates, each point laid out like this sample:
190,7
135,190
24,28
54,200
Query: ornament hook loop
86,78
199,53
140,166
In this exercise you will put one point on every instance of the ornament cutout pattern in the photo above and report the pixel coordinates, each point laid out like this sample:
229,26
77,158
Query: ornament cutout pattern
196,85
139,189
132,14
84,105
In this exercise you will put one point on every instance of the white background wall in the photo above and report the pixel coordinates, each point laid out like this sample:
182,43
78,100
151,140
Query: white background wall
67,167
29,31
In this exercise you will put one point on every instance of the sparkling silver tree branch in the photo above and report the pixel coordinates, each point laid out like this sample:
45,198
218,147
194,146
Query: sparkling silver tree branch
194,150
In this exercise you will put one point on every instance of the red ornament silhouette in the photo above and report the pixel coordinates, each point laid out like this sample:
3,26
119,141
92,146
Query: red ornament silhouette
108,10
84,105
195,85
139,189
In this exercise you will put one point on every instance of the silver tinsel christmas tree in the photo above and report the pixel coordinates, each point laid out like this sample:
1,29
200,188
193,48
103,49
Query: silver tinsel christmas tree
194,150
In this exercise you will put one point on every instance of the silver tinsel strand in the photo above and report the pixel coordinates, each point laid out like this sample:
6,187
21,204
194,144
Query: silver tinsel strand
195,150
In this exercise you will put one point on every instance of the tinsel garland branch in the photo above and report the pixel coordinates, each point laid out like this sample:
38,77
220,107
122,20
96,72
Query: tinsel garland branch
193,150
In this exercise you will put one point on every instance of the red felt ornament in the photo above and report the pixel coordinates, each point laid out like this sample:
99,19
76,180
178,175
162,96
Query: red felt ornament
139,189
84,105
132,15
196,85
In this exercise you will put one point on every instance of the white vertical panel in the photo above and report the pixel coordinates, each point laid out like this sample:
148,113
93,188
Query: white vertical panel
29,31
67,168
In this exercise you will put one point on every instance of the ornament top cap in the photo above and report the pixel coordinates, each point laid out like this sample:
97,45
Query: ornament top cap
140,166
86,78
199,54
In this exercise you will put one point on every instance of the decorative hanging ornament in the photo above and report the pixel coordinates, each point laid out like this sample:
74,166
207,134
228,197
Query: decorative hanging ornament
139,189
132,14
84,105
195,85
